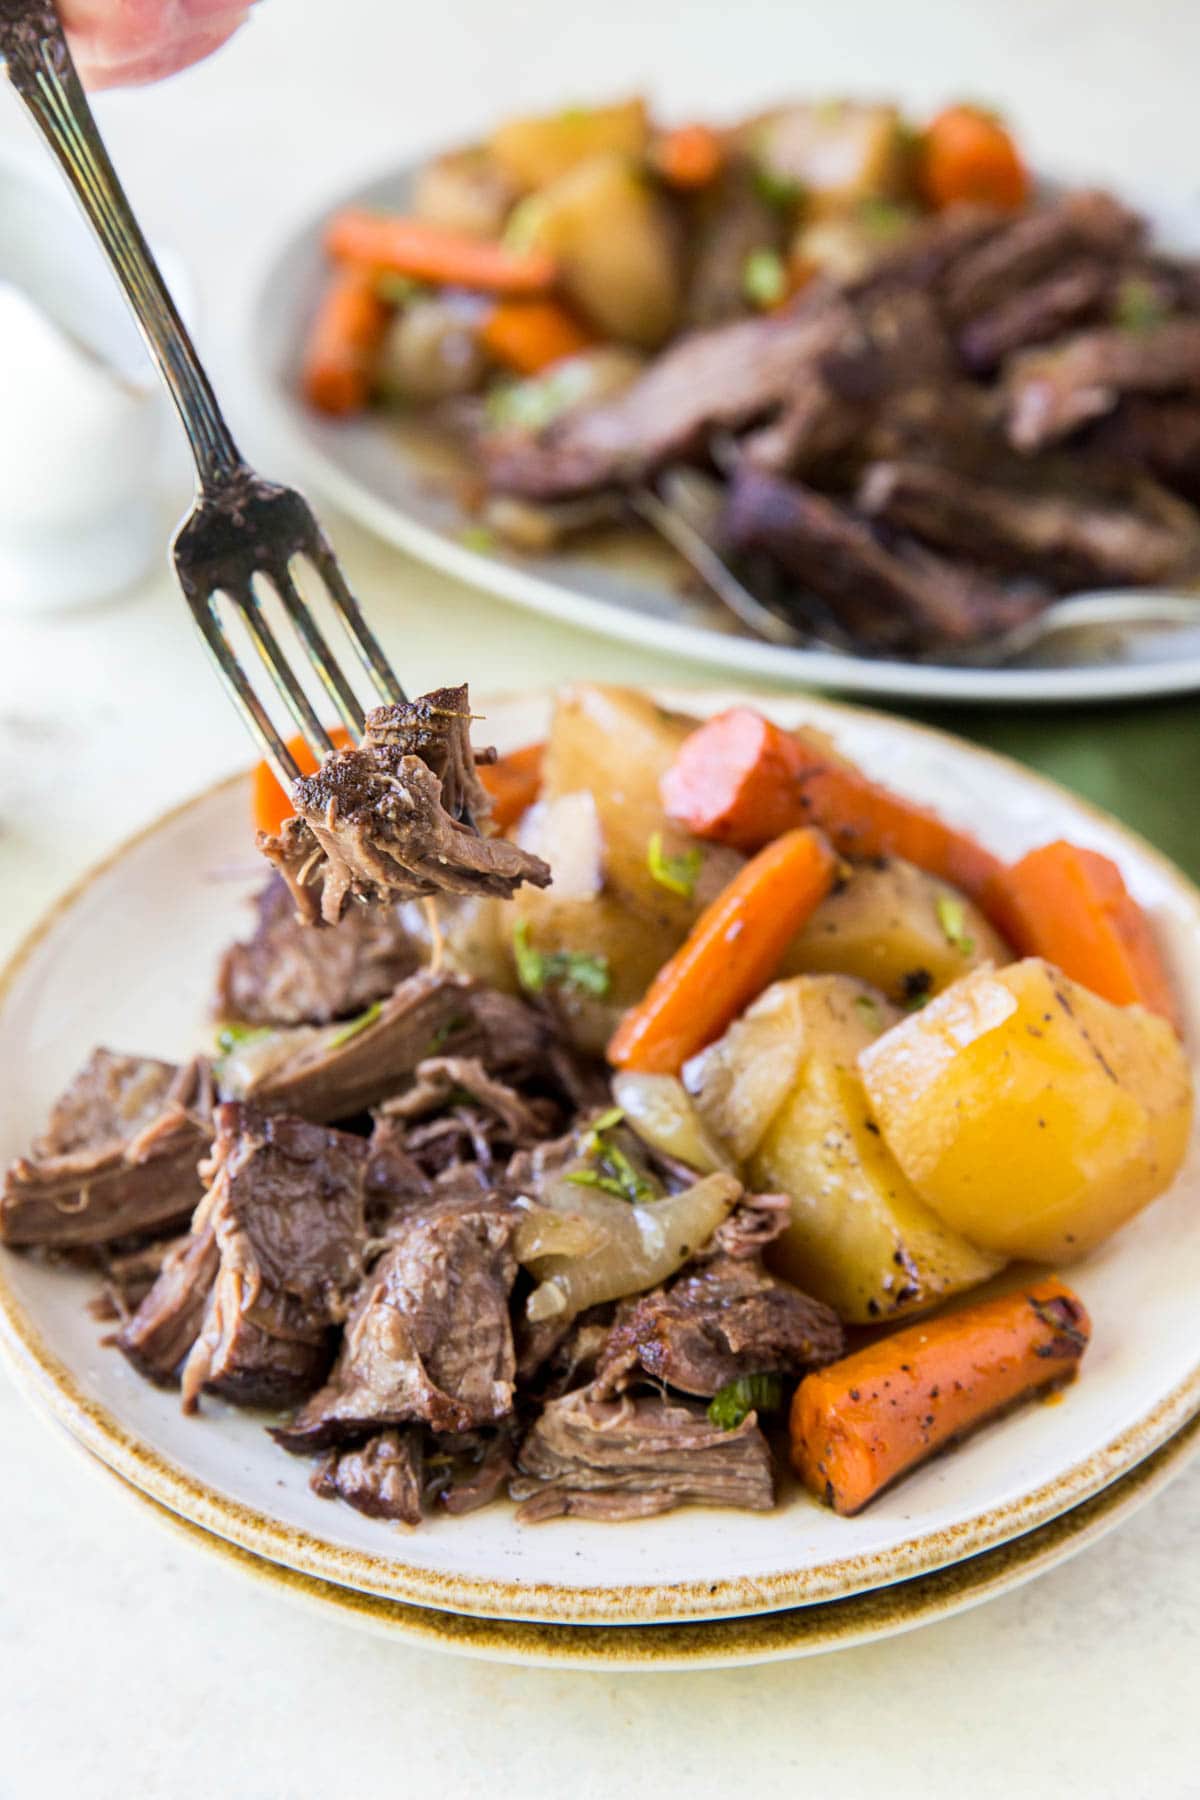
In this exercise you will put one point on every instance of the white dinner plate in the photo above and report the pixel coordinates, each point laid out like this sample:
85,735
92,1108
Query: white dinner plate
127,960
401,482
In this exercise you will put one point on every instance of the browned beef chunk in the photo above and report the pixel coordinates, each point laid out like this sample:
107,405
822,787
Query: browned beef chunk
381,1478
1034,243
167,1322
397,817
285,974
629,1459
335,1071
756,1221
467,1470
455,1112
118,1155
729,376
429,1337
1066,541
1052,392
1162,435
925,256
274,1255
1070,296
901,599
129,1275
727,1319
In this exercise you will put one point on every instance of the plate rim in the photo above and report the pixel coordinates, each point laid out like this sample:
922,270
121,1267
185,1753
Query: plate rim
42,1374
786,1635
525,586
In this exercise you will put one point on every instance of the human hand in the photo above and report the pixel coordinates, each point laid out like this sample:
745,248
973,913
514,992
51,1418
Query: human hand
119,43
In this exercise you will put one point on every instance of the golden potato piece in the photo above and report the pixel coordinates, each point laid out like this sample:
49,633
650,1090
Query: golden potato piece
535,151
1031,1115
902,930
617,252
784,1081
837,153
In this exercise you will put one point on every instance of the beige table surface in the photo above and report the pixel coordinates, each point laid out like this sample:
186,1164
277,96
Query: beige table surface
132,1665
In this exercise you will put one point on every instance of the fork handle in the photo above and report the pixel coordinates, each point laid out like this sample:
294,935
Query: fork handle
34,49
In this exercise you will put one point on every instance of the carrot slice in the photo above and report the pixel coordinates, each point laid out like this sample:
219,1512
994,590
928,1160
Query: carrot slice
741,780
728,956
966,154
530,335
858,1424
512,783
691,156
343,343
269,804
428,252
1072,906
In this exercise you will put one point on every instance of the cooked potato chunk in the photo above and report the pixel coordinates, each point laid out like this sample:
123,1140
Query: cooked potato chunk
1029,1113
615,246
466,191
783,1081
837,153
902,930
599,820
533,152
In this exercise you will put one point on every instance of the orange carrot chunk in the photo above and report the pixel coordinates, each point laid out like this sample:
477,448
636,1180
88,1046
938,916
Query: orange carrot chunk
741,780
858,1424
383,242
530,335
1072,906
691,156
966,154
343,344
512,784
728,956
269,804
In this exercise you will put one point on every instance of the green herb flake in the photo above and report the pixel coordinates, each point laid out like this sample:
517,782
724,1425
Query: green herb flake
915,1002
882,219
524,225
678,874
764,278
952,917
537,969
593,1178
445,1030
477,537
731,1405
399,290
783,192
235,1036
608,1121
352,1027
1138,306
868,1006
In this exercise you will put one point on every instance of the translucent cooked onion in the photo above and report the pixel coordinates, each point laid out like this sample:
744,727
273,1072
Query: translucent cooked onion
244,1068
642,1245
740,1082
661,1111
543,1232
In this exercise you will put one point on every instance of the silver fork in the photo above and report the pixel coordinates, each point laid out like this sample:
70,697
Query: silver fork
242,529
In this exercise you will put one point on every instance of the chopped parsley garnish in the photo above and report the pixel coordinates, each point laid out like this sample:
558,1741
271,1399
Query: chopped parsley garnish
445,1030
610,1169
731,1405
883,219
352,1027
540,969
678,874
764,278
477,537
774,189
398,290
868,1006
535,403
1138,305
952,917
235,1036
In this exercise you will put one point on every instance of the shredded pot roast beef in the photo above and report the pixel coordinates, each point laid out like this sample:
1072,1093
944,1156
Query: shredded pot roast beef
396,817
359,1192
1042,367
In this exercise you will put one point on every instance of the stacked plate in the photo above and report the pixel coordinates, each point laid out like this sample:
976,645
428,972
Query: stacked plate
126,959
